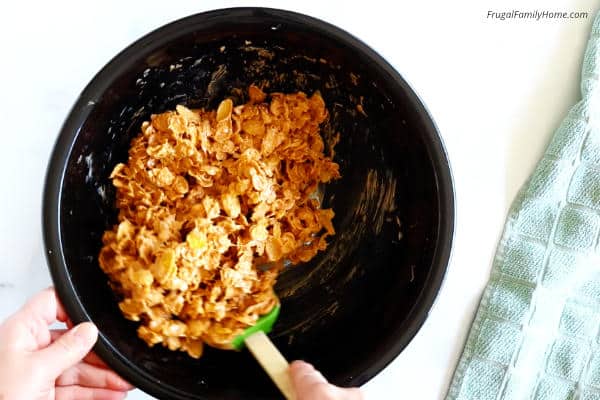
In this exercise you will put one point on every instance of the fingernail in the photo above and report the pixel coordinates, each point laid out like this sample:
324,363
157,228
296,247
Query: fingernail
86,332
303,365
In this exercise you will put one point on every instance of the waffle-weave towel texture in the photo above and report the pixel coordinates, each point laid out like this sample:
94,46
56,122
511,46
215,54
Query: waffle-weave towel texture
536,334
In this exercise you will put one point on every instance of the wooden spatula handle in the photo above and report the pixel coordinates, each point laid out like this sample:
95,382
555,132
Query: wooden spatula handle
274,364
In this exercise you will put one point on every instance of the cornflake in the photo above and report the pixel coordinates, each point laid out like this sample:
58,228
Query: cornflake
206,200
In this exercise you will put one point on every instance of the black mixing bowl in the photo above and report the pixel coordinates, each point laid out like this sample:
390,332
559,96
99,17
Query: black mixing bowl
355,306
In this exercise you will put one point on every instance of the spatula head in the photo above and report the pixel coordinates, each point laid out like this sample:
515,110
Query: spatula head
264,323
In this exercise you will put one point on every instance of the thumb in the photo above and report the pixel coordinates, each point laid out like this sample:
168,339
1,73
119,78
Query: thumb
68,349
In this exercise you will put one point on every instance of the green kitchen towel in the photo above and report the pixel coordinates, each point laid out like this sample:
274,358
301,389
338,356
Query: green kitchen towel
536,334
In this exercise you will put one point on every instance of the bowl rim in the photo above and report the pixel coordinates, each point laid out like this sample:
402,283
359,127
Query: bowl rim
51,213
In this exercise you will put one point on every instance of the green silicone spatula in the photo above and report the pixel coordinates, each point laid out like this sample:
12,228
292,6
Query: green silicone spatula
271,360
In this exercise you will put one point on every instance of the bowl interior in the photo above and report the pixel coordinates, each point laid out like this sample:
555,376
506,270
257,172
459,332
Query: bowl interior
352,308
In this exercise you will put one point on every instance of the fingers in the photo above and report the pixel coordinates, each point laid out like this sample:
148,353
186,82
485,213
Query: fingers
44,306
27,329
56,333
93,359
90,376
304,374
349,394
68,349
84,393
311,384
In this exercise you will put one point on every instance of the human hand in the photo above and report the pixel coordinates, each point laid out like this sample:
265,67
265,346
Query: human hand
310,384
38,363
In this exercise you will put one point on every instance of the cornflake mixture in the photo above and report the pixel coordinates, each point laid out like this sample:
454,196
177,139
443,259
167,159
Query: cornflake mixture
210,205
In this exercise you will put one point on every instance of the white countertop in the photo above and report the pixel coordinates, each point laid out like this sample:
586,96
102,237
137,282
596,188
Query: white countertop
497,90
